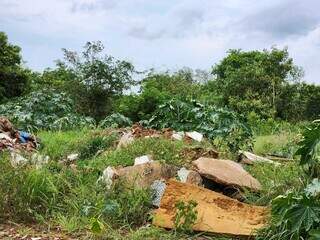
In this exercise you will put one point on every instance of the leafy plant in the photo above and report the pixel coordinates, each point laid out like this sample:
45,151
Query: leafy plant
186,215
212,121
115,120
309,150
45,109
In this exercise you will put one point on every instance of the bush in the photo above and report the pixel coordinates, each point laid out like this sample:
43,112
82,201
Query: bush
115,120
44,109
207,119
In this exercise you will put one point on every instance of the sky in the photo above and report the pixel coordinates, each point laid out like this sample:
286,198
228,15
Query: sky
164,34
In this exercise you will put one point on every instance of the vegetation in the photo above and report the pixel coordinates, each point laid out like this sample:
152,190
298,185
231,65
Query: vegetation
254,100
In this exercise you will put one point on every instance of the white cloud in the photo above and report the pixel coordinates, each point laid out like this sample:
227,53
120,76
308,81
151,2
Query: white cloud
167,33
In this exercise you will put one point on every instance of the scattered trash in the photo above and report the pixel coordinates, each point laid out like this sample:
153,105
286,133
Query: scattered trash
250,158
226,172
142,159
125,140
217,213
195,136
158,187
143,175
189,176
10,138
178,136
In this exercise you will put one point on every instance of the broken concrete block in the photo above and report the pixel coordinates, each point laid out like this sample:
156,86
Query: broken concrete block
189,176
72,157
142,159
17,159
143,175
195,136
158,187
226,172
178,136
125,140
217,213
250,158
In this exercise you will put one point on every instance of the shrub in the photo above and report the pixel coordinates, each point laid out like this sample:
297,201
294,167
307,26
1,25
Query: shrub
115,120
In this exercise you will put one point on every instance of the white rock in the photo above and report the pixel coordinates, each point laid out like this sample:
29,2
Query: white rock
5,136
195,136
17,159
108,176
252,158
125,140
183,174
142,160
39,160
72,157
178,136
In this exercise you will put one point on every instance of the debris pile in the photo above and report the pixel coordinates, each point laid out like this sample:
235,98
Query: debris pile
13,139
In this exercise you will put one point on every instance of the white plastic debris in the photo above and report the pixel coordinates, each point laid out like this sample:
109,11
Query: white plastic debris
73,157
183,174
178,136
158,187
108,176
142,160
17,159
195,136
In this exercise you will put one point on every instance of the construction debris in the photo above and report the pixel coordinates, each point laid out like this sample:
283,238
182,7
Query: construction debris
143,159
141,175
195,136
226,172
158,187
189,176
12,139
250,158
217,213
125,140
178,136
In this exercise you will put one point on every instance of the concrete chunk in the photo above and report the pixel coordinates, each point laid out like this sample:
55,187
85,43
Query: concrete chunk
217,213
226,172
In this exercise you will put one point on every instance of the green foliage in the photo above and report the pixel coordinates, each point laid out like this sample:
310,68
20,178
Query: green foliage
186,216
309,150
44,110
97,79
14,79
251,81
115,120
207,119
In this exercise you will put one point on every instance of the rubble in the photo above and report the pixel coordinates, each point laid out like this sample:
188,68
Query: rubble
217,213
178,136
158,187
12,139
108,176
250,158
189,176
125,140
194,153
195,136
226,172
17,159
143,175
142,159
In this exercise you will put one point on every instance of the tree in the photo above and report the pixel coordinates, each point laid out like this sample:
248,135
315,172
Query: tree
13,78
96,80
251,81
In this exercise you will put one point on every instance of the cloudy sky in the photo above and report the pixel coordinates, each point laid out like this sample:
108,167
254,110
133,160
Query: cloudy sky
164,34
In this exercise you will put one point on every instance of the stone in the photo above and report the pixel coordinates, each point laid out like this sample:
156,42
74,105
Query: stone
142,159
178,136
125,140
250,158
226,172
195,136
158,187
143,175
217,213
189,176
108,176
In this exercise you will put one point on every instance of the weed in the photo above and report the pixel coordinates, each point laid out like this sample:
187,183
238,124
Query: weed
186,216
